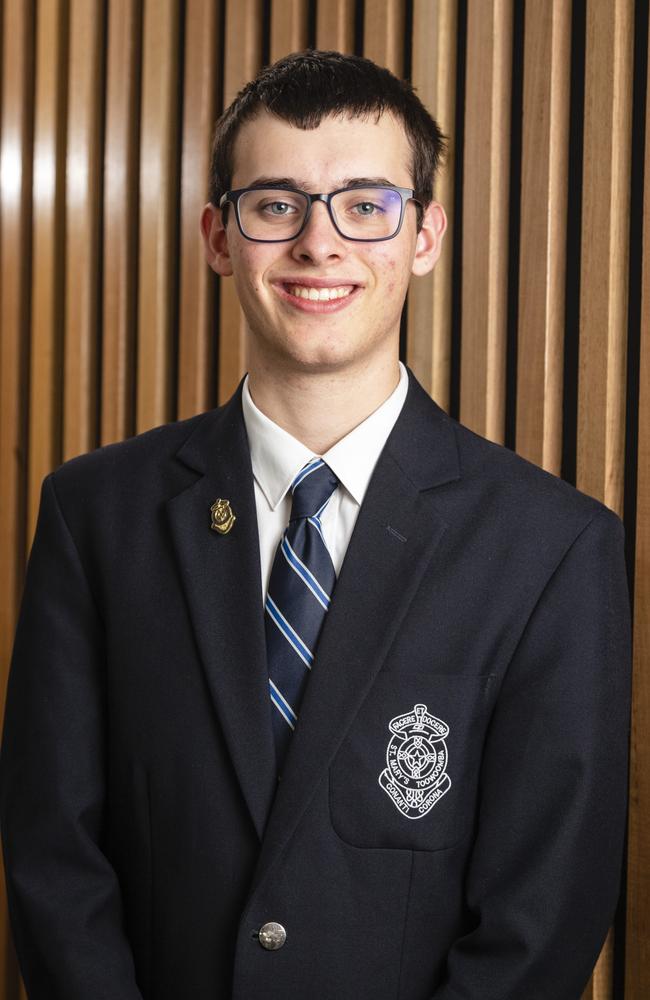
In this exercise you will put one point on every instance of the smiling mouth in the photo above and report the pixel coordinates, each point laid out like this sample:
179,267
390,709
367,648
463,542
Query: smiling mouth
319,294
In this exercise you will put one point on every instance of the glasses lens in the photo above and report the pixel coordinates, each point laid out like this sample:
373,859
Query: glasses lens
367,213
271,215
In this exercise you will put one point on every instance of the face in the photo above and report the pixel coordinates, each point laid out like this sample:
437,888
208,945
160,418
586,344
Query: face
360,327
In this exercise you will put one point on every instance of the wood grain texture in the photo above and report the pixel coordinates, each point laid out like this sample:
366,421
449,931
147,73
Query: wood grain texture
604,259
383,33
243,45
197,319
48,251
542,260
158,245
433,75
335,25
120,232
486,176
288,27
637,938
83,187
16,138
243,61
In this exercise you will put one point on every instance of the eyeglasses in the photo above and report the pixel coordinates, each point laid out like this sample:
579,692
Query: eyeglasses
366,214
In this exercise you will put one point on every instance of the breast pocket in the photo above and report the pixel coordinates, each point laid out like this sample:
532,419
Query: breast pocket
406,776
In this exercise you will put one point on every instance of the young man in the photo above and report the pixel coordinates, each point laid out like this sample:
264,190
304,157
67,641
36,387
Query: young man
318,694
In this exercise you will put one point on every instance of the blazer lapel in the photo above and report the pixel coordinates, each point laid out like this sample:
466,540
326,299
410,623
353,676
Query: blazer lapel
222,581
396,534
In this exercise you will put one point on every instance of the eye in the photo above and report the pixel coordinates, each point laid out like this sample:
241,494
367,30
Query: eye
366,208
278,208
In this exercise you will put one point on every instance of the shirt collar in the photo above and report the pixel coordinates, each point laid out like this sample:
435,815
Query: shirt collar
276,456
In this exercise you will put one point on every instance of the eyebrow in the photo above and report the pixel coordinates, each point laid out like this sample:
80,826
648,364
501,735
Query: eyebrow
302,185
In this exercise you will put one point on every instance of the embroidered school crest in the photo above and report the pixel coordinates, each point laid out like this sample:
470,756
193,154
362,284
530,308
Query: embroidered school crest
415,777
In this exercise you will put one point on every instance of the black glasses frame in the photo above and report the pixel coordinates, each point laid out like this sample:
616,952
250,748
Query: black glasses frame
232,197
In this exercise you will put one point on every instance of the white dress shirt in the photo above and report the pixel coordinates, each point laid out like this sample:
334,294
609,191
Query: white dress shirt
277,457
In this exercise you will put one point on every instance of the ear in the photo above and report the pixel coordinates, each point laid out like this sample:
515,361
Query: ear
429,240
215,240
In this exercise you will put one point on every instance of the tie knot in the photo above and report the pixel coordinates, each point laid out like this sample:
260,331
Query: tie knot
312,488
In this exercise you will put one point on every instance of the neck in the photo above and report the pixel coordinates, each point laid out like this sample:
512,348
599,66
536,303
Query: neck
319,409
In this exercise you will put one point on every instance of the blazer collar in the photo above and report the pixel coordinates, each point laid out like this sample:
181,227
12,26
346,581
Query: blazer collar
422,441
221,576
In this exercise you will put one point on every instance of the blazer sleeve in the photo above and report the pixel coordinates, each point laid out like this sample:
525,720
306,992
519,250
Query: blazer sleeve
543,878
64,896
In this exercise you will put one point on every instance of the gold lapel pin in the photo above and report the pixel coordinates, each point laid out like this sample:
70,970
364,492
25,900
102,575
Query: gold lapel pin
222,516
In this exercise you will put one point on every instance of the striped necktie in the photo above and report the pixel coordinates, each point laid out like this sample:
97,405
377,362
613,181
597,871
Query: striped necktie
300,588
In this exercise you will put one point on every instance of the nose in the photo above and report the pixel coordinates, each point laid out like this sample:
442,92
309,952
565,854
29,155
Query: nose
319,240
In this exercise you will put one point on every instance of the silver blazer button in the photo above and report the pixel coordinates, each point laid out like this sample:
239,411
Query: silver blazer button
272,936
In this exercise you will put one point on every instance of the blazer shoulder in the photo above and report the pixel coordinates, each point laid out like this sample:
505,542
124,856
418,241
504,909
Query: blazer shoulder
125,465
523,489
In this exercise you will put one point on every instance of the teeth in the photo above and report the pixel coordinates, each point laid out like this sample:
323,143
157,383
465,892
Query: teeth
320,294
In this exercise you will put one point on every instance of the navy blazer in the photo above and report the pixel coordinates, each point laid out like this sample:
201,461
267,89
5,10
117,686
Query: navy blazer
449,821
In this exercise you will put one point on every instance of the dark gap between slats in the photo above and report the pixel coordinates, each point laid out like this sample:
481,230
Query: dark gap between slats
176,243
99,308
133,209
457,255
573,245
514,224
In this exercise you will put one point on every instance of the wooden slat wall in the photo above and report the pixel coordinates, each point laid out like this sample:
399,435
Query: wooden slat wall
83,172
158,250
542,260
433,75
242,60
335,26
196,355
45,387
486,176
120,210
534,329
16,156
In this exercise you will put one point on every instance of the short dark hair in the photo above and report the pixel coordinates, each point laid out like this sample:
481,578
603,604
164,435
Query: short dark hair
304,87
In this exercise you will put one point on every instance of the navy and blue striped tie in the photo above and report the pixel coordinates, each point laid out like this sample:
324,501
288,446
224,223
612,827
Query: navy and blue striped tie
300,589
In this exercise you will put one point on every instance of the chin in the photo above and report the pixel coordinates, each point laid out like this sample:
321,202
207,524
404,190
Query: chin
314,357
320,362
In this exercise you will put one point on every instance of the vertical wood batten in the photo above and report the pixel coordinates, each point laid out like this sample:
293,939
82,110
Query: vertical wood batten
243,61
120,262
196,373
604,262
83,183
48,276
16,137
637,938
383,33
435,26
486,177
288,27
158,222
544,190
335,25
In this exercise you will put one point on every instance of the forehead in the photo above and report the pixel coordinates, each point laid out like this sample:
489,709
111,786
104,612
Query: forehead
338,150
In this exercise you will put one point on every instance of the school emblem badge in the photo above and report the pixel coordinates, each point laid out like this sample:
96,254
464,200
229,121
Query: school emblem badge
415,777
222,516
